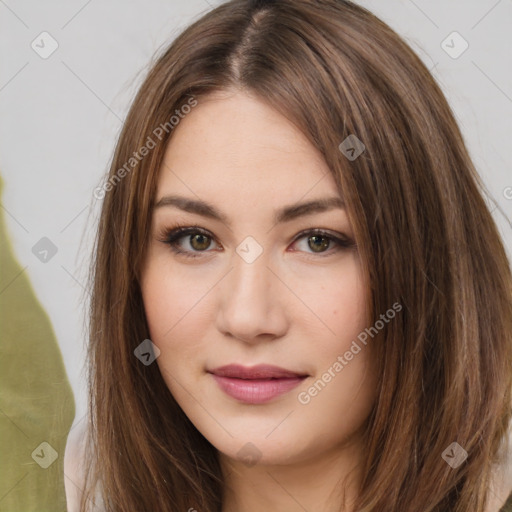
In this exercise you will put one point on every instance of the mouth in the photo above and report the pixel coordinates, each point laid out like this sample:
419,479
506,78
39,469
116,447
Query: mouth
256,384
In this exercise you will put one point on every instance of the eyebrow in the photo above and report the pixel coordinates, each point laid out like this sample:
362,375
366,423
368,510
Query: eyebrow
285,214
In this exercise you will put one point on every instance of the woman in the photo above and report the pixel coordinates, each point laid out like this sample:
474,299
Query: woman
300,300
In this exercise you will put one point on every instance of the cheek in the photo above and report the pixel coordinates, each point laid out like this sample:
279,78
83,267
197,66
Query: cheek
171,298
176,307
339,302
344,383
340,305
177,313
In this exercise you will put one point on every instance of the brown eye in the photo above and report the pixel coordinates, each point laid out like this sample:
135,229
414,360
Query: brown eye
321,242
318,243
195,242
188,241
200,242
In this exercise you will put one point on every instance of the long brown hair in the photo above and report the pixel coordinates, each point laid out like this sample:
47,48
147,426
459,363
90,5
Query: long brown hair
424,233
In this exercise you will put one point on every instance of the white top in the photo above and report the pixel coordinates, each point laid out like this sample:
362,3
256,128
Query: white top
74,470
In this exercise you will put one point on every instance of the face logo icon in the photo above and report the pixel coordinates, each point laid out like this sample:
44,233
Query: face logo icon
249,454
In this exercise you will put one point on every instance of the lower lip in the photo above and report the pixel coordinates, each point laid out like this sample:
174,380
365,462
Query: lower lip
256,391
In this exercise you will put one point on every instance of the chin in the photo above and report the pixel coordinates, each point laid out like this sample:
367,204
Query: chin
253,451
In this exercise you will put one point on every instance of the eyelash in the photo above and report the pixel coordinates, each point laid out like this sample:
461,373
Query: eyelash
170,236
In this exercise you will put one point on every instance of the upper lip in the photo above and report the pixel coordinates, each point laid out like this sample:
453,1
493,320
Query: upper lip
261,371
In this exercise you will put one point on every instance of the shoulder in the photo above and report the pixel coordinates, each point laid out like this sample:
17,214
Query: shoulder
74,471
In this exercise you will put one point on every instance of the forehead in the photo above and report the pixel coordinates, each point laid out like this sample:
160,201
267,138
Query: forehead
233,143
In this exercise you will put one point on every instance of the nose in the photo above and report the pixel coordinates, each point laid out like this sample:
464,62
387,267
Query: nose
252,302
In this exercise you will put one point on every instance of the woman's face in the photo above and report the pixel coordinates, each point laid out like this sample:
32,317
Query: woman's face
249,284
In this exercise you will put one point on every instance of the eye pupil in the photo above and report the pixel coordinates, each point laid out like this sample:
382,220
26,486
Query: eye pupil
317,244
202,240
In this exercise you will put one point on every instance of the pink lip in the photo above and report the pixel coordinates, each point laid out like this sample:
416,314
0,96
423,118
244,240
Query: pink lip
256,384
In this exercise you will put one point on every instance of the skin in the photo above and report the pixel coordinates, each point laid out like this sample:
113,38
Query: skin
292,307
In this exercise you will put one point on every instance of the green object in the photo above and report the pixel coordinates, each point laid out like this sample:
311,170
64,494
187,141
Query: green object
37,406
508,505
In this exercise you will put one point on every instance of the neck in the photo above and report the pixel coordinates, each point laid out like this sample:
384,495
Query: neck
327,482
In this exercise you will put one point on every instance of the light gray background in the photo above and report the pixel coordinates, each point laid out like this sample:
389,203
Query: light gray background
60,117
